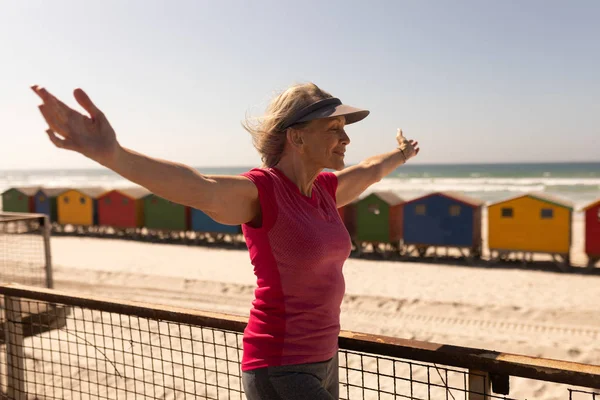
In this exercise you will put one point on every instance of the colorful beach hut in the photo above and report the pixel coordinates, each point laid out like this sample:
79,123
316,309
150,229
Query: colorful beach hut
378,218
45,202
443,219
78,206
200,222
531,223
592,232
122,208
162,214
18,199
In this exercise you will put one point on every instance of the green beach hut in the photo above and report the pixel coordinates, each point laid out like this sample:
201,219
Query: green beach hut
19,199
162,214
378,218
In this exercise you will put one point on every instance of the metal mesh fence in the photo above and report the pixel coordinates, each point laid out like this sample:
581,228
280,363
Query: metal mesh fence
104,355
583,395
64,347
93,354
368,376
24,253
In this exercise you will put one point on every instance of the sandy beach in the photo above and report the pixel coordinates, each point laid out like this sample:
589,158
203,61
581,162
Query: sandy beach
509,309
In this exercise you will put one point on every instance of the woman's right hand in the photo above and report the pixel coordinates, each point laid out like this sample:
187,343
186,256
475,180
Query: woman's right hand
90,135
231,200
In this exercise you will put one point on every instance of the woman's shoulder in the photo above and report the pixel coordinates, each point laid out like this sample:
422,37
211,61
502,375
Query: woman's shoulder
258,172
261,177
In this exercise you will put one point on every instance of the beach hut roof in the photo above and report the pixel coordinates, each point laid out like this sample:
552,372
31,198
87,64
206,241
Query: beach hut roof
463,198
26,190
390,198
134,193
53,191
473,201
92,192
545,197
150,194
591,205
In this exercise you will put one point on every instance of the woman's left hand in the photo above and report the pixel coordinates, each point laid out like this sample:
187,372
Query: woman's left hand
409,148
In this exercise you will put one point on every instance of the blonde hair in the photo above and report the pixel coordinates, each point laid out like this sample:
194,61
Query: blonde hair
268,136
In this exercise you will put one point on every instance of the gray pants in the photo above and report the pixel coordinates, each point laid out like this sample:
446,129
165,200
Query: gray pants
318,381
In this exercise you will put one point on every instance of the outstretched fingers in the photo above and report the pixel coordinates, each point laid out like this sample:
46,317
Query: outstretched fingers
48,98
416,147
87,104
42,93
56,123
62,109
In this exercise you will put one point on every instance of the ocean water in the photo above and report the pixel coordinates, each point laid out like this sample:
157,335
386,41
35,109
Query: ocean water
578,183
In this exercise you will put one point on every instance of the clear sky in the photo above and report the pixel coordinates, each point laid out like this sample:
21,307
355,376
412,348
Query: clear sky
473,81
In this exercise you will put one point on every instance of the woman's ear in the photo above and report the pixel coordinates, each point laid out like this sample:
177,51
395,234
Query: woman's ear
295,137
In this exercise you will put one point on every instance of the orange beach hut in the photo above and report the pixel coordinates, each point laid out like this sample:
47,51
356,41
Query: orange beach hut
78,206
532,222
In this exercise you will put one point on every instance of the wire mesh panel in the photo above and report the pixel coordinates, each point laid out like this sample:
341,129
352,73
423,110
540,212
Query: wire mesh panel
371,376
105,355
367,376
24,252
583,395
57,346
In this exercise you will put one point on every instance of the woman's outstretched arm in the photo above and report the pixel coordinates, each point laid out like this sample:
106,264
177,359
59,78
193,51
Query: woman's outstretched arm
229,200
354,180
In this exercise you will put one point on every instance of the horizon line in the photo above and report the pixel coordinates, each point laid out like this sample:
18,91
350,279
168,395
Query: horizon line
99,168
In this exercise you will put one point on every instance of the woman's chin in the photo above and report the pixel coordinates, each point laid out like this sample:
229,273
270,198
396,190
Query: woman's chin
337,165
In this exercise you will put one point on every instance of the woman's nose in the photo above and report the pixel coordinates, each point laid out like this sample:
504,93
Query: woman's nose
345,138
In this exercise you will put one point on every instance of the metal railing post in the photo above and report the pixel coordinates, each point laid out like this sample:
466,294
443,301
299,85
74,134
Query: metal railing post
15,366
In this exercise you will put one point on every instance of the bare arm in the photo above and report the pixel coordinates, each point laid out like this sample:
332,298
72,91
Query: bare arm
231,200
352,181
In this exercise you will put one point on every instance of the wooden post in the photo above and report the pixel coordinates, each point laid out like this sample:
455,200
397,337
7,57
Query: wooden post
47,252
479,385
15,361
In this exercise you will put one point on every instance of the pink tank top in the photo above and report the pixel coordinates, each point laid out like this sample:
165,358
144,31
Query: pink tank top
298,254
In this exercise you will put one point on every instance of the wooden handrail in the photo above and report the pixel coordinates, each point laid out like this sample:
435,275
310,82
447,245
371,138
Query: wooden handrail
543,369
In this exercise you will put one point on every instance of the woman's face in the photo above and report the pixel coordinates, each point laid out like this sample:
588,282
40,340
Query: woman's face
324,142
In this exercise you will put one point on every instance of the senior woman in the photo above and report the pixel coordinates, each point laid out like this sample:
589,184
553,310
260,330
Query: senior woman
288,212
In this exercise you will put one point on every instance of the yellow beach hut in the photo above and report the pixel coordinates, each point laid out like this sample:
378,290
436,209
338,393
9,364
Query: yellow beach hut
531,223
78,206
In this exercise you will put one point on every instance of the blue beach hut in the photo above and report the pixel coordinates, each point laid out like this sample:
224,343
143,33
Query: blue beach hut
443,219
44,202
204,224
